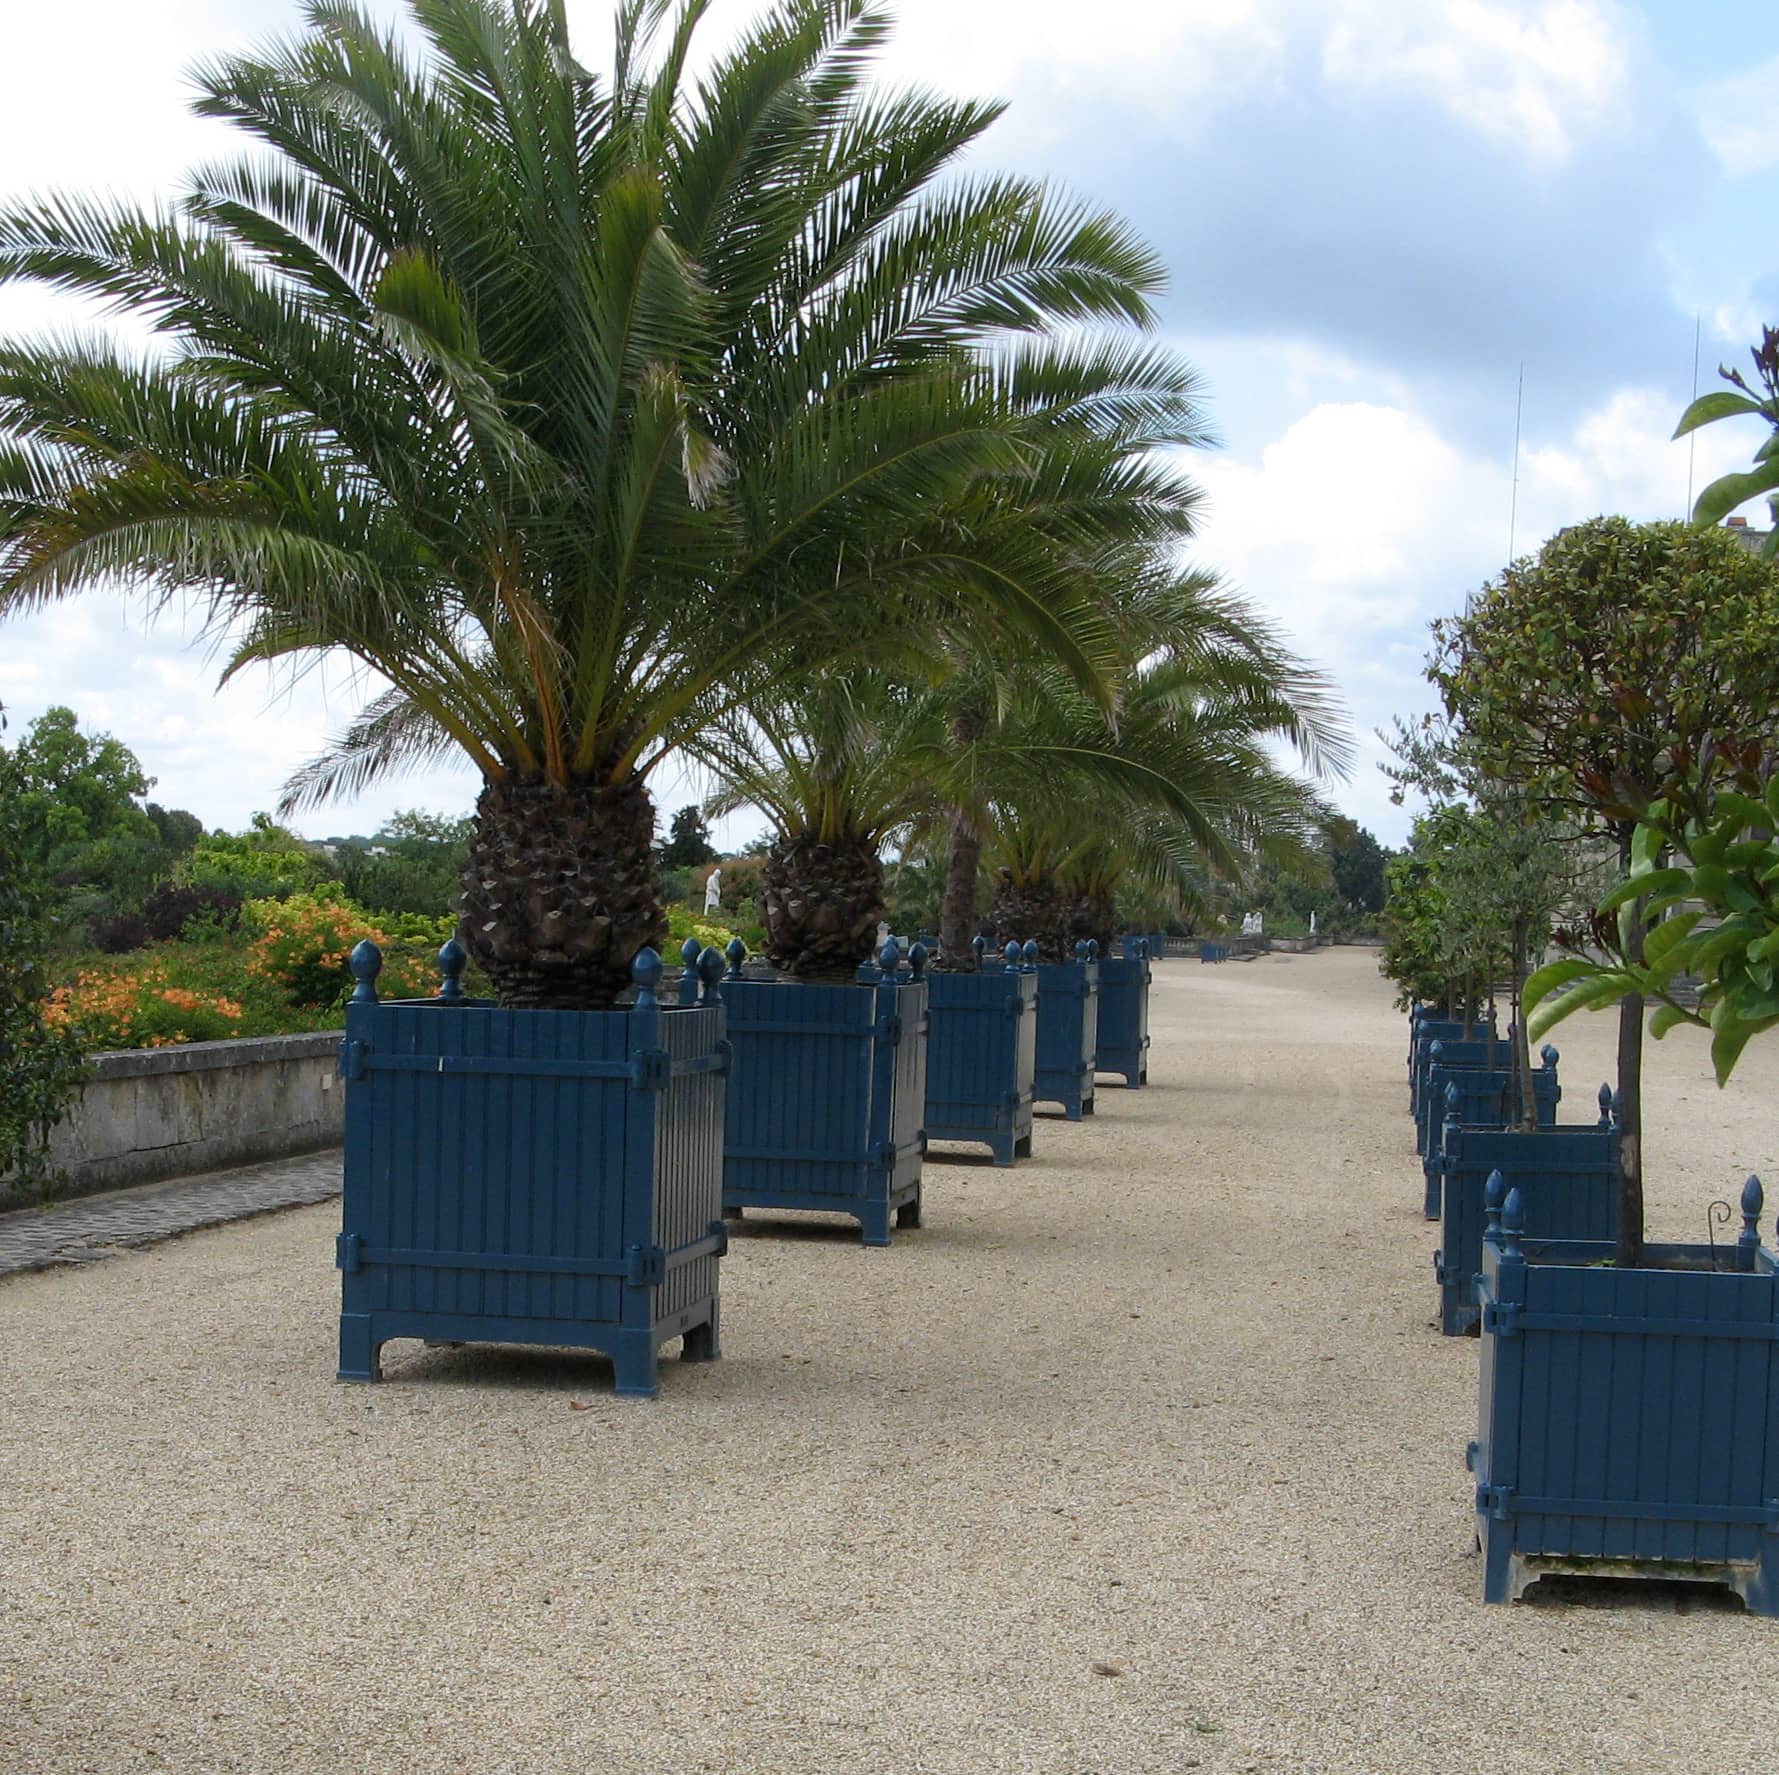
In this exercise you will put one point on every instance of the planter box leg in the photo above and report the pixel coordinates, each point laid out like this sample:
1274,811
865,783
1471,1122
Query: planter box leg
1760,1590
634,1366
874,1223
1430,1197
1498,1572
361,1352
702,1343
1022,1148
909,1213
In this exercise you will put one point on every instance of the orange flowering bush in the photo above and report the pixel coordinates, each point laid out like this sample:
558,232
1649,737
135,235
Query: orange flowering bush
139,1009
303,947
283,972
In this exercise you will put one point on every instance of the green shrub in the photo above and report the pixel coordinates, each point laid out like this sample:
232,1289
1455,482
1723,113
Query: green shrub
40,1061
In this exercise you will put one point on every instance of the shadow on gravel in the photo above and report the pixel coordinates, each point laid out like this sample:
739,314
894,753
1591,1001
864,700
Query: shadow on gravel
1659,1596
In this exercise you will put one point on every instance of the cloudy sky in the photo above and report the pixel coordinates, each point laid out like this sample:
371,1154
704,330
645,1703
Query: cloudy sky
1378,214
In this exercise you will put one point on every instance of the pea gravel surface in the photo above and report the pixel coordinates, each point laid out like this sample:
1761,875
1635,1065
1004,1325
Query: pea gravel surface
1142,1457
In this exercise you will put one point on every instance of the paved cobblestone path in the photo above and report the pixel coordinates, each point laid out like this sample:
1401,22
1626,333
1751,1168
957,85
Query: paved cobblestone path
102,1226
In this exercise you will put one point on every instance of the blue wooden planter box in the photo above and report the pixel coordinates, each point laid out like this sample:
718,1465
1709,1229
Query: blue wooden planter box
1474,1065
1482,1049
1423,1033
1123,1027
1567,1179
827,1101
1486,1099
1629,1419
1068,1032
531,1177
982,1056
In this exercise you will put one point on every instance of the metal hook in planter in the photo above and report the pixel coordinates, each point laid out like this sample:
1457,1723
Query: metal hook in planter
1716,1214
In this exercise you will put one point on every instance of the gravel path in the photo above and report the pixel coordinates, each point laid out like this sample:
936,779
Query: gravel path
1141,1458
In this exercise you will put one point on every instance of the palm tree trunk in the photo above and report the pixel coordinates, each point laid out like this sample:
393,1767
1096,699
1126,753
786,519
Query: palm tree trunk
821,905
1024,910
957,911
560,890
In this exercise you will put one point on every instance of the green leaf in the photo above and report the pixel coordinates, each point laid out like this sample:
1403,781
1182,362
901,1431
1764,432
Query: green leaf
1741,896
1709,408
1711,882
1729,491
1751,853
1707,849
1653,881
1755,1005
1667,1017
1662,939
1727,939
1606,988
1547,979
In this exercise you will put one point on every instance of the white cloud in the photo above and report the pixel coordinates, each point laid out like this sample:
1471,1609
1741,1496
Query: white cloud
1361,522
1739,120
1535,77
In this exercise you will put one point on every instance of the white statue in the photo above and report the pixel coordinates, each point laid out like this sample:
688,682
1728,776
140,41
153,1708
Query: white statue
1312,924
713,890
1248,923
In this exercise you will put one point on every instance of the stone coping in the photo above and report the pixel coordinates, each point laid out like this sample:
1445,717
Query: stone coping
253,1050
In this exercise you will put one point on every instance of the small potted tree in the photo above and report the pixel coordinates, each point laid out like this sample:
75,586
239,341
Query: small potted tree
1628,1420
826,1109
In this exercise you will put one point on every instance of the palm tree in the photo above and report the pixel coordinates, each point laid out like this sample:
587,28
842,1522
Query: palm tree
576,409
1180,786
838,767
1180,782
842,760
